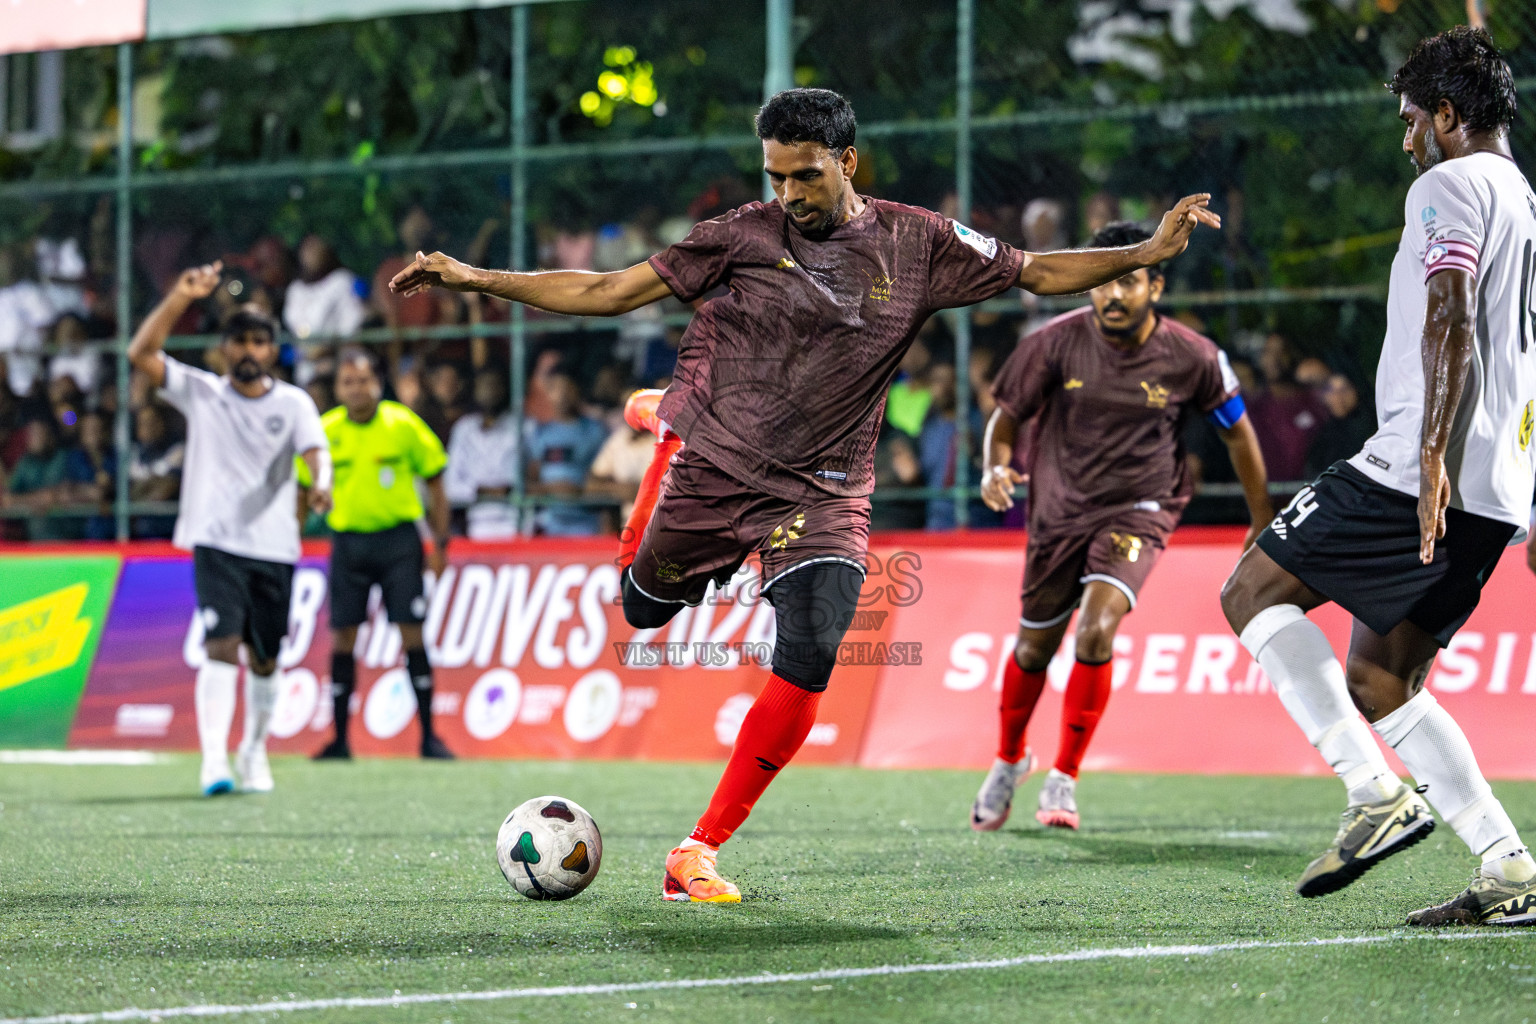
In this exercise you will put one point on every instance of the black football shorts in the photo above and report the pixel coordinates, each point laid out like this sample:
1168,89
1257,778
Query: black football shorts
1356,542
392,559
243,596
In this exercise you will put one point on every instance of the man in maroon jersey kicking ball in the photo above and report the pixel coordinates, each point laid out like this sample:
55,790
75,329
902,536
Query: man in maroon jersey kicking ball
1112,385
778,397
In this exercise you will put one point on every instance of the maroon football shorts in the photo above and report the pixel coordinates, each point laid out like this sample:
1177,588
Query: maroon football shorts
1118,548
706,523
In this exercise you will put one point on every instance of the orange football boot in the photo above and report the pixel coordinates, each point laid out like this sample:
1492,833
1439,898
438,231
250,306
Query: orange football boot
640,410
693,878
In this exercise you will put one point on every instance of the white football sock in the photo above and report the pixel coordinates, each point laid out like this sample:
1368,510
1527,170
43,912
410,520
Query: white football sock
260,699
1436,751
1309,680
215,700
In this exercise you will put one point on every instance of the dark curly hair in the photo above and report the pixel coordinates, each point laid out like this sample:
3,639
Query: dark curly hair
1461,65
1120,233
808,115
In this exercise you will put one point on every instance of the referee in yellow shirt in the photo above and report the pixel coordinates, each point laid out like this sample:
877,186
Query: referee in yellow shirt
379,449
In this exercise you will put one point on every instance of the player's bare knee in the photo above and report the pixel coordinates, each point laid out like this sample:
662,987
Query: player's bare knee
1096,640
1235,601
1032,655
224,649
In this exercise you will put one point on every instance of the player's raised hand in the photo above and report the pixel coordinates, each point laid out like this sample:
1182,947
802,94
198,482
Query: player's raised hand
1178,224
997,487
435,271
199,282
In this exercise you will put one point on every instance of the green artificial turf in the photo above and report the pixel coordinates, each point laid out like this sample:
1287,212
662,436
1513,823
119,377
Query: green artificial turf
120,888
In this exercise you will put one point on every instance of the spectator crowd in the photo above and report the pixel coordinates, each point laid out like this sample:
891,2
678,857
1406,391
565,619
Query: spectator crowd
447,358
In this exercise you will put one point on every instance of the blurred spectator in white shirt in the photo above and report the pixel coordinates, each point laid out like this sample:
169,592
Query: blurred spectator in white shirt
482,455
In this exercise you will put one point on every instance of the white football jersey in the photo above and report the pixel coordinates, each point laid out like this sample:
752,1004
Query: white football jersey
1475,213
239,492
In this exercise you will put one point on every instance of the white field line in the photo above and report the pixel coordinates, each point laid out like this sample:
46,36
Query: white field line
673,985
117,758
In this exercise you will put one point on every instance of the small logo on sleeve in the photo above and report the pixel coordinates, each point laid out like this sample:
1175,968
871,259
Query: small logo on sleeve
1378,462
1527,424
981,243
785,263
1074,384
1427,214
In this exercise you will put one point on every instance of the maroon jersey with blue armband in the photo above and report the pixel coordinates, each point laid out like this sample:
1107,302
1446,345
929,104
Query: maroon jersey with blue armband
1109,418
781,381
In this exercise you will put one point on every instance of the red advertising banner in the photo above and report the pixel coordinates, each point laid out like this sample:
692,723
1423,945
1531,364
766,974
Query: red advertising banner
532,655
534,659
1187,698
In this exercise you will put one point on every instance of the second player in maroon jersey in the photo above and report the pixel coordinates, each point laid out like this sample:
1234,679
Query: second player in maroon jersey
1110,387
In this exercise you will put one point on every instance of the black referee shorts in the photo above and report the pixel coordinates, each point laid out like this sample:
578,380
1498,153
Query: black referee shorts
243,596
392,559
1356,542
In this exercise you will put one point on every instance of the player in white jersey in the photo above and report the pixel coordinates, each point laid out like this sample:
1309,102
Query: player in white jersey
1405,534
238,515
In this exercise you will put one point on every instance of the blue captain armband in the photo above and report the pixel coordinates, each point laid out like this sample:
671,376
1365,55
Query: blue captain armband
1228,413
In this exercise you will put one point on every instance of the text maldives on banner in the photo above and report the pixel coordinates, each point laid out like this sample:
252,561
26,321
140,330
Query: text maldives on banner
51,613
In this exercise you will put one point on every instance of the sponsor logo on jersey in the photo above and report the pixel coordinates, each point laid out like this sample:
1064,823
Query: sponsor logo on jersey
785,263
1527,423
1427,214
831,474
880,286
1157,395
1073,385
981,243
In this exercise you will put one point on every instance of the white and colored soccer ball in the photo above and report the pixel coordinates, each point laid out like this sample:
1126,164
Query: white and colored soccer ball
549,848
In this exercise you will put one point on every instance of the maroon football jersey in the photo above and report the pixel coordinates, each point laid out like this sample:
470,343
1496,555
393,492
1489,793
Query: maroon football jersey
781,381
1110,420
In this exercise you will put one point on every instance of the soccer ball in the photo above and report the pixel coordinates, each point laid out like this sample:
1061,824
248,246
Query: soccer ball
549,848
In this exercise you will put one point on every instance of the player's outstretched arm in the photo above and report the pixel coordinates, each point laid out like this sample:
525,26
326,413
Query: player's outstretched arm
144,352
998,477
1449,320
577,292
1248,461
1078,270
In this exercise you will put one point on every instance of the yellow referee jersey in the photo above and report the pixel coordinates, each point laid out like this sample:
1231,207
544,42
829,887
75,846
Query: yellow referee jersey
375,466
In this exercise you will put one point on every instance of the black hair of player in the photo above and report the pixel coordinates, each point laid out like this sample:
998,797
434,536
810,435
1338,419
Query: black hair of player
1461,65
350,354
1119,233
808,115
249,318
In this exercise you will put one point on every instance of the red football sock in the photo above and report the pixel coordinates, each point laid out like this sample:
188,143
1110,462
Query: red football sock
770,735
1021,692
1087,694
645,499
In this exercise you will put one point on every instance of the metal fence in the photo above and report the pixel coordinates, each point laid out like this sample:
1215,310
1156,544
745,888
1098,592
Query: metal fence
960,111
